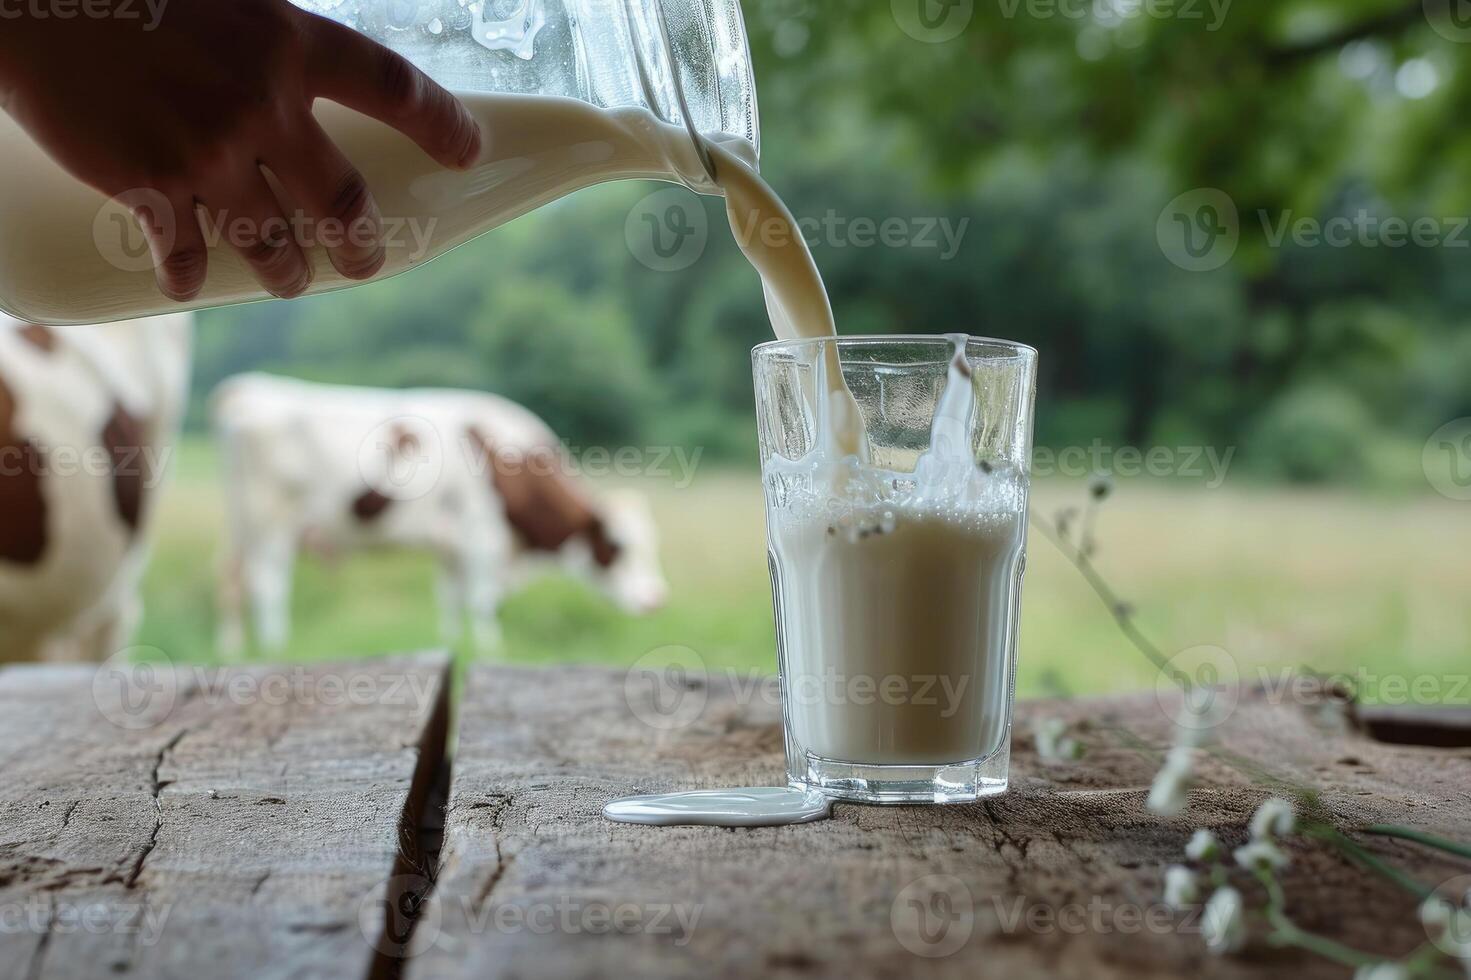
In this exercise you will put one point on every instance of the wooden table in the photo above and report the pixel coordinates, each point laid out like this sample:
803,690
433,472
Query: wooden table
285,822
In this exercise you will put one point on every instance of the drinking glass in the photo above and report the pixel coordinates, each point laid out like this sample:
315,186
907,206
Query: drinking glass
896,579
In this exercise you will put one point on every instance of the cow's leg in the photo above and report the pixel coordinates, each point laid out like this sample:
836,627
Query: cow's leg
109,626
449,588
268,572
483,593
230,607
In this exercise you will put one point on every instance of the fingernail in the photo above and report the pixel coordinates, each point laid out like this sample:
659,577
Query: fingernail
472,152
295,289
364,268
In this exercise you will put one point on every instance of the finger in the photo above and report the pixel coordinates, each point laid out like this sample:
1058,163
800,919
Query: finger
361,74
255,227
325,183
180,259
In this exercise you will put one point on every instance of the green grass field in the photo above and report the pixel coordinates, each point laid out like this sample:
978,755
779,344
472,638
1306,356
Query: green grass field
1331,579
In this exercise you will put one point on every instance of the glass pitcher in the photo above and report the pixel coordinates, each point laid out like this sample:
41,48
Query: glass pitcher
569,93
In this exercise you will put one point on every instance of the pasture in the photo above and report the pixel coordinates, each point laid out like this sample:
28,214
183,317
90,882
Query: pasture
1333,579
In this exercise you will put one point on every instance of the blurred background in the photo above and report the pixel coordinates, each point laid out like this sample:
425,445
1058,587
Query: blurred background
1234,230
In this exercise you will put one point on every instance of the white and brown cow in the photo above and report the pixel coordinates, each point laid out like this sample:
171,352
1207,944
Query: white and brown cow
88,420
477,480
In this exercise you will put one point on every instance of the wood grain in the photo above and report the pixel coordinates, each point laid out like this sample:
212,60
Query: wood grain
1061,877
241,823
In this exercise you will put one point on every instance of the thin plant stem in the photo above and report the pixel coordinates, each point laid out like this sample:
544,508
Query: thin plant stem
1285,932
1419,837
1116,607
1357,853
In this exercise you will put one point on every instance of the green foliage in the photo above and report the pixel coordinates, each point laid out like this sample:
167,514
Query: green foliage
1314,433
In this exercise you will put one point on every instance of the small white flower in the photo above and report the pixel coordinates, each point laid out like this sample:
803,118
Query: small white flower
1203,846
1182,889
1274,818
1053,743
1435,915
1260,855
1169,793
1171,788
1382,971
1223,924
1050,727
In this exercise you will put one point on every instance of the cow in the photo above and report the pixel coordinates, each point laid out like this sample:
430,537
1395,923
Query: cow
89,417
475,479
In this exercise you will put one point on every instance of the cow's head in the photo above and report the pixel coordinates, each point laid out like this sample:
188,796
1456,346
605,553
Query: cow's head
625,532
611,542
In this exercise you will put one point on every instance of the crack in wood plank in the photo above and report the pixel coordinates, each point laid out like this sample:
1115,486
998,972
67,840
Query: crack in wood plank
157,789
167,822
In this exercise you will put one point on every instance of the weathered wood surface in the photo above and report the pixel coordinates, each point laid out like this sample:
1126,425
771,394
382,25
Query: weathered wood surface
241,823
1061,877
